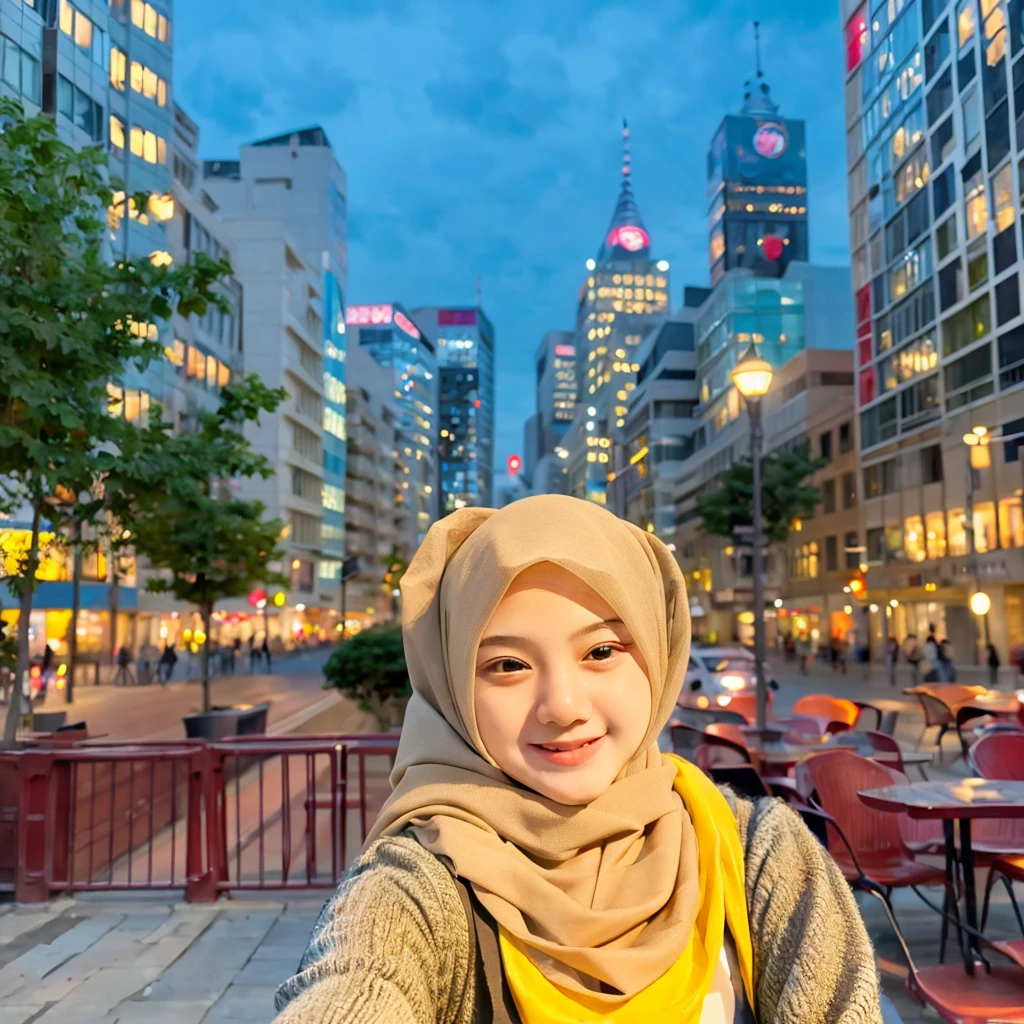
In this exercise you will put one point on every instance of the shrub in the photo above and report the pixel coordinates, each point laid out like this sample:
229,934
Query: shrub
370,668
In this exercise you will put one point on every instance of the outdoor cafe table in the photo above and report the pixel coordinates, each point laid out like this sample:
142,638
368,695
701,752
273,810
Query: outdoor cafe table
783,756
961,801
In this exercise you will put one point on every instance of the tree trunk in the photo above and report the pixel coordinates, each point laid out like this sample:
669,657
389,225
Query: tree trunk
24,614
76,607
115,600
206,610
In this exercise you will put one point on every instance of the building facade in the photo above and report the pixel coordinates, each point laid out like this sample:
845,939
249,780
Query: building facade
757,190
657,437
555,377
624,295
389,335
463,339
296,179
933,92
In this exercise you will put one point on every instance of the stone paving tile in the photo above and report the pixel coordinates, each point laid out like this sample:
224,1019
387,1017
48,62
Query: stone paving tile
17,1014
100,993
249,1003
145,1012
267,972
16,920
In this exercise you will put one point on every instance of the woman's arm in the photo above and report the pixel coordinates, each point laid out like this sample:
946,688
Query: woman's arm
813,961
390,947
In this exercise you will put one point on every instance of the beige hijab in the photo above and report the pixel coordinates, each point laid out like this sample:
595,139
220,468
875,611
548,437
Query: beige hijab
601,897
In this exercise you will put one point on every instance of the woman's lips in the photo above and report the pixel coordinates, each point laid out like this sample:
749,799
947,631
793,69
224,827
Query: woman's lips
569,752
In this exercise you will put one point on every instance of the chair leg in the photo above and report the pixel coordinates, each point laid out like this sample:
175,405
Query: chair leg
917,745
993,873
1013,902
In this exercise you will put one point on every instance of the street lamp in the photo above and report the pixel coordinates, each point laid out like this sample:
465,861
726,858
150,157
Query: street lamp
753,377
980,604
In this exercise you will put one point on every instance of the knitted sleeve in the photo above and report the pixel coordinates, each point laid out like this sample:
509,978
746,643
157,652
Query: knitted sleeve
390,947
813,961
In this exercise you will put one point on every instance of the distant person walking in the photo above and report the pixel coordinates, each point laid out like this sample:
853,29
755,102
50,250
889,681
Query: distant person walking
165,668
254,653
236,653
265,651
946,667
912,652
46,672
124,675
803,652
892,656
993,666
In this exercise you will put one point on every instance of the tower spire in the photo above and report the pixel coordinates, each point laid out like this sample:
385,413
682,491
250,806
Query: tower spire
757,49
626,160
758,101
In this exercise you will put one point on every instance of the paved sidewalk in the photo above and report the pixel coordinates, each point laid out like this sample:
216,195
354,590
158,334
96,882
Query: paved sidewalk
147,960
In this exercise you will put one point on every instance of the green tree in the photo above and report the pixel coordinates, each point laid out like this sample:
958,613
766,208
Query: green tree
785,495
370,668
174,493
71,323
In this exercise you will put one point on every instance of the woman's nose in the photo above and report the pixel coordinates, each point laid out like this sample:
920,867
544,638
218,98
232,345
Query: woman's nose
563,698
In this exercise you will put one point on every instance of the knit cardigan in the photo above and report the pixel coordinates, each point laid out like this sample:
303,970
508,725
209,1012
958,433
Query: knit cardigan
392,945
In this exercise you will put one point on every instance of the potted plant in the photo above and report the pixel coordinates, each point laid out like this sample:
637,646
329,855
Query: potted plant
370,668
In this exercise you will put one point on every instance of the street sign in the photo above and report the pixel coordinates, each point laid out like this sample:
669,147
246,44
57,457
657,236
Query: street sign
350,568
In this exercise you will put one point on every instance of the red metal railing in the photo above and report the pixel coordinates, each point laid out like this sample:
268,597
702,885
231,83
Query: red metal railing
255,813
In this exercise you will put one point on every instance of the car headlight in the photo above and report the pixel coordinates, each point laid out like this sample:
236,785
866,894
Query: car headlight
723,701
733,682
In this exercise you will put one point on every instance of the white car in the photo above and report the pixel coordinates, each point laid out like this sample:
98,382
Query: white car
715,675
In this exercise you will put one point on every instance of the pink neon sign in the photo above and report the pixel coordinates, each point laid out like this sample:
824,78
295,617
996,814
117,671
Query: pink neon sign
406,324
362,315
629,237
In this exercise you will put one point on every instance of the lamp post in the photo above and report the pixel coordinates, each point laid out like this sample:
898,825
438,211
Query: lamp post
979,601
753,377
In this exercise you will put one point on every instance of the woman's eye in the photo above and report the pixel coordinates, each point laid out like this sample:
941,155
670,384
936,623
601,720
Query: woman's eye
508,665
602,653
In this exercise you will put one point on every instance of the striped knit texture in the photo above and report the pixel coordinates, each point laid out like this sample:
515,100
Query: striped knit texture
392,945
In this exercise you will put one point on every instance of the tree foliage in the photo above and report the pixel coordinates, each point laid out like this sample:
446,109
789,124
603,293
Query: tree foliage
174,495
785,495
72,321
370,668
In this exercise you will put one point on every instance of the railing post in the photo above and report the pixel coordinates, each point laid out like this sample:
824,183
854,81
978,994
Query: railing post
200,874
34,835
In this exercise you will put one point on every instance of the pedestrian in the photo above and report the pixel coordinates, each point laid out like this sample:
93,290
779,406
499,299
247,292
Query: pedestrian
912,652
168,660
803,651
254,653
265,651
533,813
993,666
124,675
46,672
892,655
947,669
236,651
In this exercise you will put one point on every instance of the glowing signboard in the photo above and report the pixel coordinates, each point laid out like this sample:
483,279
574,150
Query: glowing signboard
363,315
406,324
628,237
566,350
770,140
514,463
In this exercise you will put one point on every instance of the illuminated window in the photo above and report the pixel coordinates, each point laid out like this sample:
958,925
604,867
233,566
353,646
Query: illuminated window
333,498
195,366
334,423
995,32
151,21
965,21
956,534
935,534
149,83
976,205
914,541
149,146
161,258
1011,524
115,400
118,68
161,206
984,527
175,353
1002,198
223,375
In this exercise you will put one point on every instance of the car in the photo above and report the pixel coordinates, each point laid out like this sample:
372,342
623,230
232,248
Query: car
715,675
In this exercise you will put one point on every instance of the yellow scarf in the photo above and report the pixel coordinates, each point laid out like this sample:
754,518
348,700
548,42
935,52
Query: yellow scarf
678,995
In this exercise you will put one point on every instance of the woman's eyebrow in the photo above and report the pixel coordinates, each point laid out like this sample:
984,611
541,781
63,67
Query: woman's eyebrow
518,641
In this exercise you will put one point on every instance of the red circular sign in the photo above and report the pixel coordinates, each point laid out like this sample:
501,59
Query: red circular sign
629,237
772,247
255,596
514,463
770,140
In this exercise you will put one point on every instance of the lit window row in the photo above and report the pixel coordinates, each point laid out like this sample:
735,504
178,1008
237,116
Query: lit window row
787,190
334,423
599,442
597,456
143,79
333,498
79,27
203,368
334,389
131,404
151,21
630,293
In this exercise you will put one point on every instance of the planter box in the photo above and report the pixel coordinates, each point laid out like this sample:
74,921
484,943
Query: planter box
222,723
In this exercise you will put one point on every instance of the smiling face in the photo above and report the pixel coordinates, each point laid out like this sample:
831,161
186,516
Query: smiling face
562,696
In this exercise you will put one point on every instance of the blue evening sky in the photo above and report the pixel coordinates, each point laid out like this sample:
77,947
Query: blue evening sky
482,137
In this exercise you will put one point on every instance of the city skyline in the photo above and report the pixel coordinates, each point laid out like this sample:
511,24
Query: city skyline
524,140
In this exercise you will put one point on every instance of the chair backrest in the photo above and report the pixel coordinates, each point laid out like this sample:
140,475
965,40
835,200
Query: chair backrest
868,710
727,731
837,776
685,740
936,712
701,718
834,709
715,752
742,778
1000,755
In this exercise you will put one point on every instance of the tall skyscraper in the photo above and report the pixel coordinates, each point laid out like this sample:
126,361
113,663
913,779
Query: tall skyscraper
933,91
464,342
389,335
757,188
555,370
295,178
624,295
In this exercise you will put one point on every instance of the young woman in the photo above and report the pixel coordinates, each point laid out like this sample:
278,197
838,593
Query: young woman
539,860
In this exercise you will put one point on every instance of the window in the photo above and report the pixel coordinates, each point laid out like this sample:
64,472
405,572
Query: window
149,146
997,134
912,176
945,236
831,554
965,22
943,191
919,402
964,375
956,535
851,542
914,547
825,445
118,68
920,356
951,284
1007,300
151,21
931,464
116,133
79,108
828,497
804,561
149,83
910,270
1011,372
1011,525
845,437
878,423
936,50
943,142
1002,197
881,478
939,99
935,534
875,544
77,26
967,326
849,490
977,269
20,70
